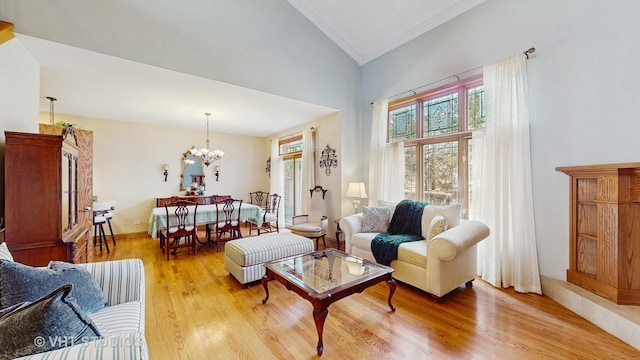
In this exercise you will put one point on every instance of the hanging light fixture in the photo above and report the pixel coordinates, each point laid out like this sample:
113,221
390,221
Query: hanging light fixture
51,99
208,156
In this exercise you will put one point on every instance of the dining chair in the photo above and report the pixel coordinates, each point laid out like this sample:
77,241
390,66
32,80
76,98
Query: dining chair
269,215
227,222
259,198
313,225
181,220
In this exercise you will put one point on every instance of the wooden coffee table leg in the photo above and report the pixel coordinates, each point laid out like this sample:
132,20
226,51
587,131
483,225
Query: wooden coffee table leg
392,289
265,282
319,316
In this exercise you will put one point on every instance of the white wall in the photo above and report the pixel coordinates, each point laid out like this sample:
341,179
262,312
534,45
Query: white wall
128,158
583,82
19,89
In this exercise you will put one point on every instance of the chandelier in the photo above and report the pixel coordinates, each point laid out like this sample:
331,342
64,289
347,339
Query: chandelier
205,154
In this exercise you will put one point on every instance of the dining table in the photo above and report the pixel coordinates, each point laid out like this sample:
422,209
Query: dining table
205,214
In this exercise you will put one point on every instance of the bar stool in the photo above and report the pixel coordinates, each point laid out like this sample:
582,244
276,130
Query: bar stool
104,208
98,231
108,215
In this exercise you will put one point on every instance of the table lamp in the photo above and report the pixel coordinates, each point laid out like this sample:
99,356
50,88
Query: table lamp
356,190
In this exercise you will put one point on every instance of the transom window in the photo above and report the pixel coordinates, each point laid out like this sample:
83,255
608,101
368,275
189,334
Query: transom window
436,127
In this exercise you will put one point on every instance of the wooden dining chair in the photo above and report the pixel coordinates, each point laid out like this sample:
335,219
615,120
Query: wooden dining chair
181,220
259,198
269,215
227,226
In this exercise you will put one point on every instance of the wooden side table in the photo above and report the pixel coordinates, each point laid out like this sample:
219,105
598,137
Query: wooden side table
338,232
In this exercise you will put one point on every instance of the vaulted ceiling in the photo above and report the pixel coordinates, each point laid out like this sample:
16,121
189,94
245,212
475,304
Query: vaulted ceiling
120,89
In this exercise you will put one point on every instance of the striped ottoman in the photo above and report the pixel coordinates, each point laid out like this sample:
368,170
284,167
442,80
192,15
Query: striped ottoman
243,258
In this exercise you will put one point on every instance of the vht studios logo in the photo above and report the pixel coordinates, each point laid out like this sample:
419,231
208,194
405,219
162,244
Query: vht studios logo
66,341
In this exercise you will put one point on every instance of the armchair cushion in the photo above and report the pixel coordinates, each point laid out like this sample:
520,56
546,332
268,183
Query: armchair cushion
20,283
51,322
375,219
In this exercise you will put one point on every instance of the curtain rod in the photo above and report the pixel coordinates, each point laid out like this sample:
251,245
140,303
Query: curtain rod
313,129
457,76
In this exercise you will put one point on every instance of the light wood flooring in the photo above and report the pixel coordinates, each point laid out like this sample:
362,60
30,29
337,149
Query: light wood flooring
196,310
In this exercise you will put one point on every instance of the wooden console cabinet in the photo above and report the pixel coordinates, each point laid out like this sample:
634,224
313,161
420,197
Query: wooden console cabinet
604,235
45,216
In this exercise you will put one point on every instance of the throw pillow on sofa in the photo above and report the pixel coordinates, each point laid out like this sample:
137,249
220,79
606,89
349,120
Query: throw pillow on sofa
438,226
450,212
51,322
390,205
4,252
20,283
375,219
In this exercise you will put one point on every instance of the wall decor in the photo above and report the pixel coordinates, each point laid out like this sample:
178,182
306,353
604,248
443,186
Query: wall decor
268,168
328,160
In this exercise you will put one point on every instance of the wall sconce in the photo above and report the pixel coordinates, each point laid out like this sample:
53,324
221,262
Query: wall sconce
165,167
217,172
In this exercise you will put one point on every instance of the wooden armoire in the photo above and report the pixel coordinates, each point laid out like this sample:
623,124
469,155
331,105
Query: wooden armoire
48,195
604,234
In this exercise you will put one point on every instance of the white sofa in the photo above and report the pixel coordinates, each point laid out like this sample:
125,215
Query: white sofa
437,266
121,322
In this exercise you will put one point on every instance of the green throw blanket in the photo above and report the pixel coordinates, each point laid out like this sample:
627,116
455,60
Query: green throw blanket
406,225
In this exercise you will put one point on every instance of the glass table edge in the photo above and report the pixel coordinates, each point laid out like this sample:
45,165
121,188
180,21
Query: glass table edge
320,295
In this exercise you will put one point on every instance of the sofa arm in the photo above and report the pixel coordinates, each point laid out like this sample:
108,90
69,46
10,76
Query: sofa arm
120,280
350,225
446,245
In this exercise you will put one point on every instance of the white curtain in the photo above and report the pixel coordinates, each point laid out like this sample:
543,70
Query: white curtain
502,194
308,179
386,161
277,178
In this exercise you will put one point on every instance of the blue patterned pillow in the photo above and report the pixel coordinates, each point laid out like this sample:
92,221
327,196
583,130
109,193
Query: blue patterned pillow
51,322
375,219
20,283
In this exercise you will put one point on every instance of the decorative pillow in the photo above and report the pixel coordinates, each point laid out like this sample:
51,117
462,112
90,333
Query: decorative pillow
390,205
4,252
375,219
20,283
438,225
51,322
450,212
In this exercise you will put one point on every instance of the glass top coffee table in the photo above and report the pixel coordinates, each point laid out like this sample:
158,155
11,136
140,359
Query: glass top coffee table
324,277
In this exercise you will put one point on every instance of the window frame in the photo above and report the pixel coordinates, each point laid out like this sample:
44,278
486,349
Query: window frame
462,136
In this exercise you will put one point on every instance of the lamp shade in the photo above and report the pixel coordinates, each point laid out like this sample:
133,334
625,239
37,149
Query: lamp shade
356,190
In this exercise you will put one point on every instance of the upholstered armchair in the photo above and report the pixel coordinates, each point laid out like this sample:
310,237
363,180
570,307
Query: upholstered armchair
314,224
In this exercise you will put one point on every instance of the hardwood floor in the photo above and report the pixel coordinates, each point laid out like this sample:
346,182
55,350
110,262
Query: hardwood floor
196,310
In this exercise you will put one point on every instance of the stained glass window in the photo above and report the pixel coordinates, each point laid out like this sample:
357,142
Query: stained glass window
440,115
402,124
476,109
437,145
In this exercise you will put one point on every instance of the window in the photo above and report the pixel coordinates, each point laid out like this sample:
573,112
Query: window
436,127
291,151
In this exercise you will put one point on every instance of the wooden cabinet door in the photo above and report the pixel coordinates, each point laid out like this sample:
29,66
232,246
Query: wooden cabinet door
85,182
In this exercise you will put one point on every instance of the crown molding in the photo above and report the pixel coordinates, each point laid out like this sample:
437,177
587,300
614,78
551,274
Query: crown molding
327,30
426,26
